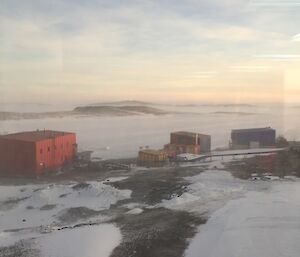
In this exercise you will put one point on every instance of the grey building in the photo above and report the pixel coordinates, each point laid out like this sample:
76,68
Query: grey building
253,138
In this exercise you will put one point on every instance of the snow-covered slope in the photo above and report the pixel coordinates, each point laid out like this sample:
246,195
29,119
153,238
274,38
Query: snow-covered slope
35,205
263,224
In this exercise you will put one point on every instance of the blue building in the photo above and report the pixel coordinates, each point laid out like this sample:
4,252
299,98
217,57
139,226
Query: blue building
253,138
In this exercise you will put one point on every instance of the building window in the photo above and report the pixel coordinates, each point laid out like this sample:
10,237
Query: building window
48,149
41,151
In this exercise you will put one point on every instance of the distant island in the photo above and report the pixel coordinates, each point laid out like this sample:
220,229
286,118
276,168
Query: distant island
142,103
104,110
123,103
122,108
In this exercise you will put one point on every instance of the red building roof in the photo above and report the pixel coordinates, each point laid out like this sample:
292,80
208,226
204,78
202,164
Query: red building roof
37,135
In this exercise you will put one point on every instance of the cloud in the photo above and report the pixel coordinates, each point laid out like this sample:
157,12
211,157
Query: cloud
279,57
249,69
296,38
275,3
116,46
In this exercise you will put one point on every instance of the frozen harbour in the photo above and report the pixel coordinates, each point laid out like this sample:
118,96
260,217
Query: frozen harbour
263,224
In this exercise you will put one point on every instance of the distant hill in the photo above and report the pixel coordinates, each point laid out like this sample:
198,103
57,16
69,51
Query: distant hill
119,110
235,105
122,103
142,103
86,111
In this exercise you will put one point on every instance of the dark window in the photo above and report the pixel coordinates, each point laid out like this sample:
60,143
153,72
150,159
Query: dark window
48,148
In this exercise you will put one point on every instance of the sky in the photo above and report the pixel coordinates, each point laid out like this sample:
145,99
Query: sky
239,51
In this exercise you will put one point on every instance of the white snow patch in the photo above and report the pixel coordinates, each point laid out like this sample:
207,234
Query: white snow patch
135,211
115,179
132,205
207,192
293,178
97,196
210,190
92,241
189,156
250,151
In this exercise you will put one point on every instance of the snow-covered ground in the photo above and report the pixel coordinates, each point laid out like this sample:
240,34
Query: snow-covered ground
246,218
40,204
88,241
29,211
264,224
211,189
207,192
95,241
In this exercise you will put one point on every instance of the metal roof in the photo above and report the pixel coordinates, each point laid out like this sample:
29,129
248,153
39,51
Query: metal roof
34,136
191,134
252,130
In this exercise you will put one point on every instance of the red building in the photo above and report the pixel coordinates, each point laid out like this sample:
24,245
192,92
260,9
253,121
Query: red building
188,142
35,152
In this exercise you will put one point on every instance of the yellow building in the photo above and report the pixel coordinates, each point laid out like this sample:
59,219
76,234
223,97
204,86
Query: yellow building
149,155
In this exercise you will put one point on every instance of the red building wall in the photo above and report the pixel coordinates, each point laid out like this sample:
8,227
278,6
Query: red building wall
29,158
192,139
54,153
182,139
17,157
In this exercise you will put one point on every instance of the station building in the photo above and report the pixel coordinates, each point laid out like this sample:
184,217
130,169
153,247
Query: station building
32,153
188,142
253,138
